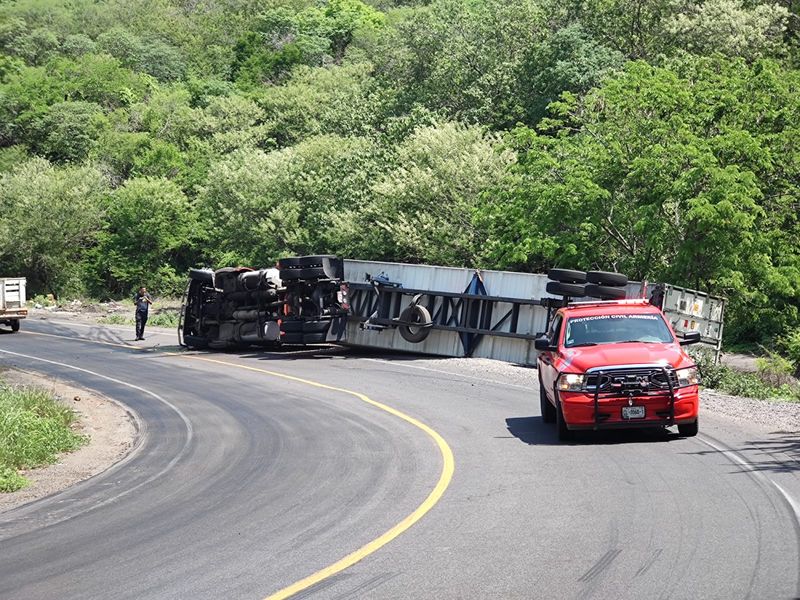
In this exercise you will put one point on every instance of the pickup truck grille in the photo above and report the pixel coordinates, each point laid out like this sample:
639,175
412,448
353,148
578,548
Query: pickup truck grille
625,380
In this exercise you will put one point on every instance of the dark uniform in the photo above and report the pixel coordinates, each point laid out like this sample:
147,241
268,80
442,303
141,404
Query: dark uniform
142,302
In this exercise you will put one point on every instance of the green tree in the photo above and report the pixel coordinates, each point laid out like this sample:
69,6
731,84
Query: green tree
283,38
568,60
48,218
730,27
426,205
301,200
679,174
462,59
67,131
150,54
78,44
149,234
343,100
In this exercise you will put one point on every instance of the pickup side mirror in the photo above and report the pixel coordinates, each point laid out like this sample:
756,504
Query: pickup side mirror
690,337
543,344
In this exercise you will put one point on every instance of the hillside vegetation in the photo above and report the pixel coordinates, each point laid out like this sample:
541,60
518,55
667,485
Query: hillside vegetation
659,138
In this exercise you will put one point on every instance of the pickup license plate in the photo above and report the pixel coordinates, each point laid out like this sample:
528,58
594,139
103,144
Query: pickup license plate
633,412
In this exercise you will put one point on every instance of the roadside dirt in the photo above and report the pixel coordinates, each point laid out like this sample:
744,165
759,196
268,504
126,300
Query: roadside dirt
111,429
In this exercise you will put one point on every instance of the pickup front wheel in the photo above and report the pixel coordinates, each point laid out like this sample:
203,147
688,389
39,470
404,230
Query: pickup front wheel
548,410
564,434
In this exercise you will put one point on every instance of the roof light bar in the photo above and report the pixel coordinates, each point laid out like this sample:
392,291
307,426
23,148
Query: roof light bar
607,302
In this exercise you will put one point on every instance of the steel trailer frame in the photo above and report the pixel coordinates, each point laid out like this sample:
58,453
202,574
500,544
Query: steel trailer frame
379,304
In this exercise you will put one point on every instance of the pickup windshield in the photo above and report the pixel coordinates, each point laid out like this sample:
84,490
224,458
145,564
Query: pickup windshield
615,329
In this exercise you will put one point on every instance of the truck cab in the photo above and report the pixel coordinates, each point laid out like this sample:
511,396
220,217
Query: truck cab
612,364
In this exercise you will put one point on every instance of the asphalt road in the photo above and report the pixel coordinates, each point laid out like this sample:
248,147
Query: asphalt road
245,481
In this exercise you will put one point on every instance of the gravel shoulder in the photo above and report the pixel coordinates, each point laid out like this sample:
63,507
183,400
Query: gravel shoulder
111,428
750,413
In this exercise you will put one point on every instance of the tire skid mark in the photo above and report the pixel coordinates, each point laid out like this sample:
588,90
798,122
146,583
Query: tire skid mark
601,565
322,585
763,482
367,586
649,562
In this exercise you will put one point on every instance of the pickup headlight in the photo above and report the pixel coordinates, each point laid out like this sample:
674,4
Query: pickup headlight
571,382
689,376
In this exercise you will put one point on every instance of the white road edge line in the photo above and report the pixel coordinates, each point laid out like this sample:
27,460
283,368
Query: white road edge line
739,459
482,380
142,430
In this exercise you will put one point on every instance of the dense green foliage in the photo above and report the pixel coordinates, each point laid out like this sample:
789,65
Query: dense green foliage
34,429
654,137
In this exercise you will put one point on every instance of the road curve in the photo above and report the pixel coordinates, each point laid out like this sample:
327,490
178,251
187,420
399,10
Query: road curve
243,483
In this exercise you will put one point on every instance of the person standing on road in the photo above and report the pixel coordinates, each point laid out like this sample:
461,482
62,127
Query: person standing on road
142,300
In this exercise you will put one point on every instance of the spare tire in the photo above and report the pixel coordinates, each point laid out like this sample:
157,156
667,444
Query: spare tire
567,276
558,288
415,333
605,292
606,278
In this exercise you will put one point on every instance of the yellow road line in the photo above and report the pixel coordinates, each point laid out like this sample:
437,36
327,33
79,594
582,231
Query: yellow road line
448,466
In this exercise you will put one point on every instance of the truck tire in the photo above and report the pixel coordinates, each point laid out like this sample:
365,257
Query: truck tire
195,341
548,410
201,275
291,339
558,288
15,325
288,263
314,261
567,276
689,429
415,314
564,434
314,338
305,326
304,273
606,278
605,292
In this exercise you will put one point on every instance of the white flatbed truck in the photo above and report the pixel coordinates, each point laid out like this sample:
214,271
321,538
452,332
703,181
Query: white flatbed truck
12,301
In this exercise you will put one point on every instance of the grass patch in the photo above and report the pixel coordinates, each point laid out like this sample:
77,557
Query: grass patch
772,381
116,320
166,318
34,429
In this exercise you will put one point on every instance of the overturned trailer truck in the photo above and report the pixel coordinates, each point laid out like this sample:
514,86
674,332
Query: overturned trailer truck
302,300
428,309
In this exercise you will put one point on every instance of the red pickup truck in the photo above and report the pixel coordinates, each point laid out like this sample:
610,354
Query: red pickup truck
616,364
